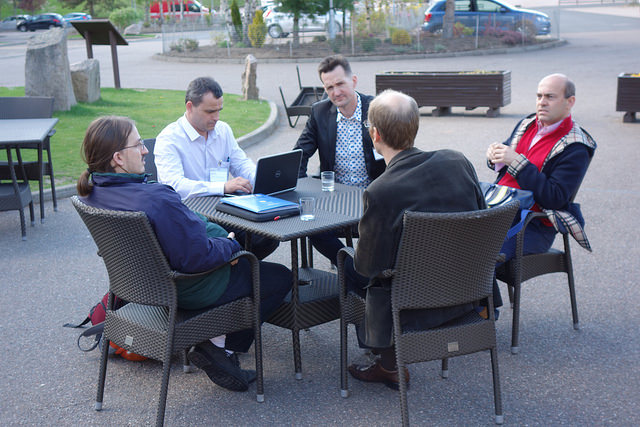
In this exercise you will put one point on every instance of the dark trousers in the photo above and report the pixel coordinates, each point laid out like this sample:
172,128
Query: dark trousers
538,238
275,283
328,244
261,247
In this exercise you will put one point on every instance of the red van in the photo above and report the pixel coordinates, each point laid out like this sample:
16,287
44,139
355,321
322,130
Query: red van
191,8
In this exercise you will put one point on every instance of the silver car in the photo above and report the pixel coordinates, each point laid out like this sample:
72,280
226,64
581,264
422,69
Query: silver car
11,23
280,24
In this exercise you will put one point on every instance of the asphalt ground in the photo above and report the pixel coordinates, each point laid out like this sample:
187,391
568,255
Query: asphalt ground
560,377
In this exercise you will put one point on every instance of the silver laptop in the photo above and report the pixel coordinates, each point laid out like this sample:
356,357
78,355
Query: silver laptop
277,173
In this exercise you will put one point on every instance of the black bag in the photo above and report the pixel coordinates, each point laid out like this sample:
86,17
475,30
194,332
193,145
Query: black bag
378,322
498,195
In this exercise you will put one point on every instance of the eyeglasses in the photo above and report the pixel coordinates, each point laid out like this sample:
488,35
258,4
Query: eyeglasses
140,146
367,124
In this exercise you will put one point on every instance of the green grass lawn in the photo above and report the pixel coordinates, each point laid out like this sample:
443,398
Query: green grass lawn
152,110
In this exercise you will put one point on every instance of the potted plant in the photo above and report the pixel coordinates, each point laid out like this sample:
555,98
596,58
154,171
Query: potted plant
446,89
628,99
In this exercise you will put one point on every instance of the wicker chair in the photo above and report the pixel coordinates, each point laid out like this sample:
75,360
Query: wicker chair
150,160
443,259
31,107
151,324
16,195
524,267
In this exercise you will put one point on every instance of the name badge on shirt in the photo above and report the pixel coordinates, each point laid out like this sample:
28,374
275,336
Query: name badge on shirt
219,174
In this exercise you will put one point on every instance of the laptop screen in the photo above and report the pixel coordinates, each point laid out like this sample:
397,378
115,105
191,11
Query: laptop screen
277,173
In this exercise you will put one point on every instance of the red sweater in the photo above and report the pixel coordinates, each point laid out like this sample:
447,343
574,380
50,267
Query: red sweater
538,153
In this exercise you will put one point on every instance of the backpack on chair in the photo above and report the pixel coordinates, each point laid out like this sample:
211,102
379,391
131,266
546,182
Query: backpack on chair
96,316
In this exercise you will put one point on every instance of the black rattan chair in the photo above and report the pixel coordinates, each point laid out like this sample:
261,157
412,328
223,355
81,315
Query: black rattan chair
524,267
444,259
16,195
31,107
150,160
151,324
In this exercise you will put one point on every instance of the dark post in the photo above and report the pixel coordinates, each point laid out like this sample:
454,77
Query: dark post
87,40
114,58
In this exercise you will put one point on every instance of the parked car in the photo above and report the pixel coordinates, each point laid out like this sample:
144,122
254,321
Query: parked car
191,8
75,16
42,22
488,14
280,24
11,22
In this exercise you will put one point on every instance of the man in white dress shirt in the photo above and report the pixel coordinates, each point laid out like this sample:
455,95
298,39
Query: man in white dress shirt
197,155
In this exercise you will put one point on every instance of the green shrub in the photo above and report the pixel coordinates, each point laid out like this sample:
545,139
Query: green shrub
236,19
368,45
184,44
319,39
401,37
257,30
125,16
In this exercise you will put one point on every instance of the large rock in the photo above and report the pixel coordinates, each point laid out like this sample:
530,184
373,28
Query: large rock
47,70
249,86
133,29
85,77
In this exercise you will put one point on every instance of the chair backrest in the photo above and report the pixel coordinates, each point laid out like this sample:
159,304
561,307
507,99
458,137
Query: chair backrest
150,160
26,107
138,270
447,259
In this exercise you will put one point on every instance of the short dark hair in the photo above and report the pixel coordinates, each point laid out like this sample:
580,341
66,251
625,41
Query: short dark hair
396,117
329,63
199,88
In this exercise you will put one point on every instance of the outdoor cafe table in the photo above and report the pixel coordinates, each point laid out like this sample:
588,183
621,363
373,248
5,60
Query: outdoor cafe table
15,133
314,297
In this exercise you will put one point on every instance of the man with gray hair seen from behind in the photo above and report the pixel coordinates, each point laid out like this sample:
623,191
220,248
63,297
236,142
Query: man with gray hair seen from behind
414,180
197,155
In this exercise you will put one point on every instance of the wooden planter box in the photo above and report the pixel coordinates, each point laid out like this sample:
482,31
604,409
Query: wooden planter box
628,99
446,89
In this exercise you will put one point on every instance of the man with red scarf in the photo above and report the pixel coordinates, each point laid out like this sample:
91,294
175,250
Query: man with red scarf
547,154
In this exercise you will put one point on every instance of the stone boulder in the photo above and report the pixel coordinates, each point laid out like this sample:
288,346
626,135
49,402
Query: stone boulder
85,77
249,86
133,29
47,70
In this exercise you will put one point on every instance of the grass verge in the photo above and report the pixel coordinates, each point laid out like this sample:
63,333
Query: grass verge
152,109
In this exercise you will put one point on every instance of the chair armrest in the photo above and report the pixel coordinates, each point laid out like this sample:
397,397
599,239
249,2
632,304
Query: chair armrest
342,256
520,236
177,275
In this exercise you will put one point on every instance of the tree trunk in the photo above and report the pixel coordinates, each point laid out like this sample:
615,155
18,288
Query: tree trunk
449,19
296,33
249,10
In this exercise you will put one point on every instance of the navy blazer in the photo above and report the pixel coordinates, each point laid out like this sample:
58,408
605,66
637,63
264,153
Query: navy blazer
320,134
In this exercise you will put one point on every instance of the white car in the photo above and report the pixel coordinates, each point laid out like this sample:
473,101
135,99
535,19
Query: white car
280,24
11,23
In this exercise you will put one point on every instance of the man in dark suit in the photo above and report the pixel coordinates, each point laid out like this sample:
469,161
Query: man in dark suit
335,130
436,181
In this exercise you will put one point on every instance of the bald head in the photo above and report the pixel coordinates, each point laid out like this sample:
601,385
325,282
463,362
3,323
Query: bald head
396,118
555,98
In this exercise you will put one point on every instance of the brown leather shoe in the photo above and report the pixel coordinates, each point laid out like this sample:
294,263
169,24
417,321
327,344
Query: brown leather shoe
375,373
